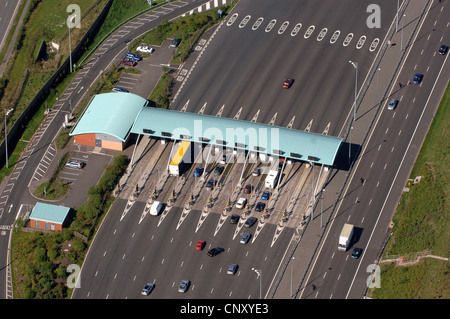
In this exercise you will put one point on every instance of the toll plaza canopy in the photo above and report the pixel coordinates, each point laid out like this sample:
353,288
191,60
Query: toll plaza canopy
232,133
120,114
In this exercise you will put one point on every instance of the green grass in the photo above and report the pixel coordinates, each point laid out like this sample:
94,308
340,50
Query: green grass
422,221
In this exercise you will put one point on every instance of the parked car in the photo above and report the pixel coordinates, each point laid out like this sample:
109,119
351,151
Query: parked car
200,245
241,203
250,221
248,189
234,219
129,63
443,49
245,238
256,171
132,56
198,172
215,251
175,42
75,164
184,285
147,289
232,268
145,49
119,89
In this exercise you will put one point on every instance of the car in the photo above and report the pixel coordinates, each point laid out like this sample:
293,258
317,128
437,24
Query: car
234,219
75,164
256,171
184,285
175,42
241,203
132,56
417,78
200,245
356,252
145,49
210,185
119,89
260,207
265,195
250,221
288,83
129,63
443,49
215,251
247,189
218,170
245,238
225,158
232,268
280,164
392,104
147,289
198,172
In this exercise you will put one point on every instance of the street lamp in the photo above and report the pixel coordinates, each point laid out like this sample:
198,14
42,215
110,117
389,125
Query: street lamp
70,42
259,272
355,65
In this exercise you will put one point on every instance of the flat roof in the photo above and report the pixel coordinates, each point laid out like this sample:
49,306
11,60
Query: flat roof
49,213
110,113
239,134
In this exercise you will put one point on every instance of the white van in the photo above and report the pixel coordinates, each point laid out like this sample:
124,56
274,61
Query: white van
156,208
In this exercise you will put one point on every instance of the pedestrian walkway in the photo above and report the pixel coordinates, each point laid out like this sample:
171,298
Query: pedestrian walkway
383,74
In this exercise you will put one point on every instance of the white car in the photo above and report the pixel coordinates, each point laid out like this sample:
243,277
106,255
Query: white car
145,49
241,203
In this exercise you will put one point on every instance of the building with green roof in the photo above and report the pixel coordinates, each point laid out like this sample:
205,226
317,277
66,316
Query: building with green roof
49,217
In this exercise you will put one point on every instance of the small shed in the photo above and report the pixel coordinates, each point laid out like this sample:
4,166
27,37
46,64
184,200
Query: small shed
49,217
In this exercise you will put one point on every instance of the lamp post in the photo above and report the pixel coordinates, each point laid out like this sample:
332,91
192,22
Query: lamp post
259,272
355,65
70,42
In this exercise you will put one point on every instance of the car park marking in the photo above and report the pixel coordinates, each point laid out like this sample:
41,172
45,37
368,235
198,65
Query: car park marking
222,219
257,24
361,42
347,39
309,31
296,29
232,19
283,27
244,21
335,36
238,114
271,25
322,34
255,117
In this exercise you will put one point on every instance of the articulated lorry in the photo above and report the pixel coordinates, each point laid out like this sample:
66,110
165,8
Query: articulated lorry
181,159
345,237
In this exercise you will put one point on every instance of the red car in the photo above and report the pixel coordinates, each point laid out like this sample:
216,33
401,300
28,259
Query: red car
129,62
200,245
287,83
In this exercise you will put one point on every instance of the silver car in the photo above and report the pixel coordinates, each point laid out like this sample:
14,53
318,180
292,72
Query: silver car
184,285
245,238
392,104
232,268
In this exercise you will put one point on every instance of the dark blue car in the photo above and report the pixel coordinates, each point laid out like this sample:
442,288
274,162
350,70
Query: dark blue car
417,78
133,56
198,172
